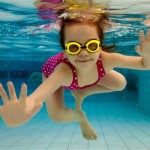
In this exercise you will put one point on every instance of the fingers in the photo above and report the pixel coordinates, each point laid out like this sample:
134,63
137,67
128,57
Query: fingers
0,110
142,38
23,92
148,35
12,92
3,94
138,49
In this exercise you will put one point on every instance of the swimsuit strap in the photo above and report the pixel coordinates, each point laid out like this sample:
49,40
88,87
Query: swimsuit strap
74,84
101,70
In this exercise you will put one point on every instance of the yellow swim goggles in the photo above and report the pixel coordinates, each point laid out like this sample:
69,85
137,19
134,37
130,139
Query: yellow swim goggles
74,47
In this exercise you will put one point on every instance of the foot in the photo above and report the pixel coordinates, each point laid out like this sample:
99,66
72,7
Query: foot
88,131
86,128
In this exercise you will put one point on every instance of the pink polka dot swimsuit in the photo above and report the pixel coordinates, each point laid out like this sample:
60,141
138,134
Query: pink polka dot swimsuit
52,62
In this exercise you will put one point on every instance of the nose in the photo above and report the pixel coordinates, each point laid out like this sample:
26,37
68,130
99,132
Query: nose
83,53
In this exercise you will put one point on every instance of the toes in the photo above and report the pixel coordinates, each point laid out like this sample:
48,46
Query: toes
90,136
85,136
94,137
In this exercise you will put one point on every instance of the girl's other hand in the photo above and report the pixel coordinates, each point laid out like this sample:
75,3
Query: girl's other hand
144,48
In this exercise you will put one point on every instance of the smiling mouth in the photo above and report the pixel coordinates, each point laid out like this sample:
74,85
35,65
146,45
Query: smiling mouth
83,61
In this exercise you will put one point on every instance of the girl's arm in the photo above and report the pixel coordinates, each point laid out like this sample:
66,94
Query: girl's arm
17,111
133,62
57,79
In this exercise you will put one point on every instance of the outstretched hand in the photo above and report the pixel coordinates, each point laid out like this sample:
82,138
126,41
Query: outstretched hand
15,111
144,48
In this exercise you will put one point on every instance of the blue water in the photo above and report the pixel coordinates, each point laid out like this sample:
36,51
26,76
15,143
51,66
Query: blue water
121,119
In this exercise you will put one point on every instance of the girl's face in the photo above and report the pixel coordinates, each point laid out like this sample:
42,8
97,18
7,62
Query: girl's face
82,33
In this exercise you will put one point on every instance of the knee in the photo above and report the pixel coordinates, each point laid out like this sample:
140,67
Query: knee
121,84
56,116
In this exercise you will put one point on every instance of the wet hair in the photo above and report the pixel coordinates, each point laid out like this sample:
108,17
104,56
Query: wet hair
101,23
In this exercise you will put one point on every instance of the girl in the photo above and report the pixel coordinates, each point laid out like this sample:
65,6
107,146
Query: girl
83,67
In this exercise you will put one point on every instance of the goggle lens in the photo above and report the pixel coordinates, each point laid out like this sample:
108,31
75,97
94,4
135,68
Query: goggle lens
93,46
74,48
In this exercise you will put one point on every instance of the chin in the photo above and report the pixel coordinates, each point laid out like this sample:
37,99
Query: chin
85,64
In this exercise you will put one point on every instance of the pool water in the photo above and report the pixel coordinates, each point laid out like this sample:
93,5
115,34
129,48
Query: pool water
121,119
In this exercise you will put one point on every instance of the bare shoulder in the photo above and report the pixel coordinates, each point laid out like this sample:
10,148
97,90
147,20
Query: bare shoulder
64,72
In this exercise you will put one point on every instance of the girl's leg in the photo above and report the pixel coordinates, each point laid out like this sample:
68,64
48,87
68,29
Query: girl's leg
112,81
86,128
58,111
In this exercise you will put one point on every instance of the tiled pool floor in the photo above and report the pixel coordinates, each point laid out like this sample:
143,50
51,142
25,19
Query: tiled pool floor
116,119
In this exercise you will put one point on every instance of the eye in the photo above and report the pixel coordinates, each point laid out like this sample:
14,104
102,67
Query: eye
93,46
73,48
